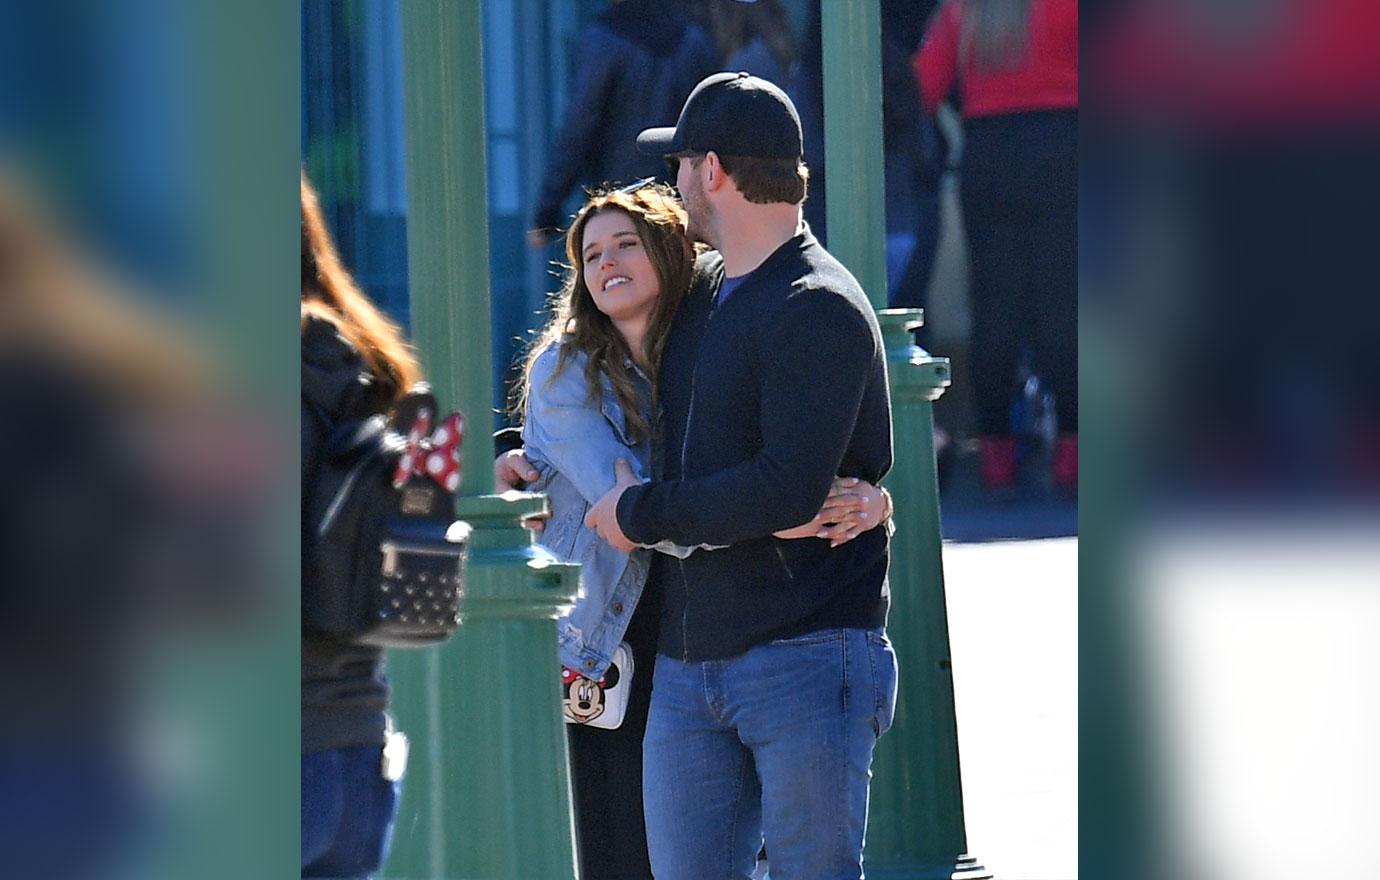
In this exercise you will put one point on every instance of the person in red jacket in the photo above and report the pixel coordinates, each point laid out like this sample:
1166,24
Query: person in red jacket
1014,64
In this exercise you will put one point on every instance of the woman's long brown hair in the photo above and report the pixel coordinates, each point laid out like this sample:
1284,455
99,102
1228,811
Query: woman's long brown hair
330,293
58,302
576,323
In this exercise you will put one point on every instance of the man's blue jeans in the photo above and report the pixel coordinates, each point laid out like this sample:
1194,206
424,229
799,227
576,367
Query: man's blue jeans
775,742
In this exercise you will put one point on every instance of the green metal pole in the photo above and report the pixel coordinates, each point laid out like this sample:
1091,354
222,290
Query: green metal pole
487,792
487,795
915,828
852,34
915,818
447,216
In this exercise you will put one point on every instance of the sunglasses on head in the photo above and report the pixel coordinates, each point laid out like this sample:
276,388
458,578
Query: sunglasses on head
635,186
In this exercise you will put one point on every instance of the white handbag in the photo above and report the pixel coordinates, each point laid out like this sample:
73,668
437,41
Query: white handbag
601,703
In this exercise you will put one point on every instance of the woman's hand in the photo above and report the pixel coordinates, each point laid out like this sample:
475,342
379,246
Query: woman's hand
512,471
876,509
852,507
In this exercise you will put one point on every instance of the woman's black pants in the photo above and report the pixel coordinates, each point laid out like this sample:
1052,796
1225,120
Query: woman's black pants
1020,213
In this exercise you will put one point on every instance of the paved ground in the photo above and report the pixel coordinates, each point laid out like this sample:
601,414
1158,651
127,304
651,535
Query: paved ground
1013,615
1011,573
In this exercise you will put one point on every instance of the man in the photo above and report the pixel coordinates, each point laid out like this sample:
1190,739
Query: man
774,676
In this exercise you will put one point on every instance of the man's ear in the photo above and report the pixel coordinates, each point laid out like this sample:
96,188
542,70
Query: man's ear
715,177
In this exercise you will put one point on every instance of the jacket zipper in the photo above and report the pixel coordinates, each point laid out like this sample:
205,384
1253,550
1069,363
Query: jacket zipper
782,556
684,446
684,583
684,615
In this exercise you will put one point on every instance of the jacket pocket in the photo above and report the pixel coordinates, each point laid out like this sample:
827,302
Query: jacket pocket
617,419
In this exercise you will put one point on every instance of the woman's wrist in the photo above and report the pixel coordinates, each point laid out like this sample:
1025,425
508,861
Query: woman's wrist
888,510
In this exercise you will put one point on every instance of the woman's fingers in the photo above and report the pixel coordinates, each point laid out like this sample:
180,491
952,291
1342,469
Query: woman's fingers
804,530
852,507
848,528
842,485
536,524
843,502
847,536
859,520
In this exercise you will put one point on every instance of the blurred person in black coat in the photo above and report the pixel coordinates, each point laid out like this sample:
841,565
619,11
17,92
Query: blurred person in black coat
636,61
355,363
114,533
914,153
752,35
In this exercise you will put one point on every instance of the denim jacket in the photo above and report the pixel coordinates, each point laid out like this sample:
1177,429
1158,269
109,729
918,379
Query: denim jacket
573,442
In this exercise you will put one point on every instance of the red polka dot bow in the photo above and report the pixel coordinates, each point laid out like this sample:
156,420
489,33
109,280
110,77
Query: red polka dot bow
569,675
432,455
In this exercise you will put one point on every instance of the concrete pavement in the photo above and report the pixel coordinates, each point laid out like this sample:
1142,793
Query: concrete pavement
1013,628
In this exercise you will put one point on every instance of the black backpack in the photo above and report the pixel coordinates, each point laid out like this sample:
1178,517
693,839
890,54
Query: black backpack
382,564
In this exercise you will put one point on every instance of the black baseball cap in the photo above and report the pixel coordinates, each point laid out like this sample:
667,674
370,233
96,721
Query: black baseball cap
733,114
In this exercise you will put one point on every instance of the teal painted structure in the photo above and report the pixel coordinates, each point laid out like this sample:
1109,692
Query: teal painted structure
916,827
488,791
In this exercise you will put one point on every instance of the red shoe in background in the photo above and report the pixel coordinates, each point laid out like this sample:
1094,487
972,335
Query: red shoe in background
1064,467
997,462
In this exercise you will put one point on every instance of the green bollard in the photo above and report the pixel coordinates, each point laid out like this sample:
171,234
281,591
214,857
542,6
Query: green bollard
487,791
915,828
915,825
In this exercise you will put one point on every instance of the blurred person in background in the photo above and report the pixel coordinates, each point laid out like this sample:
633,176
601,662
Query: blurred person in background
913,151
1015,65
915,155
355,362
638,60
1264,210
114,533
752,35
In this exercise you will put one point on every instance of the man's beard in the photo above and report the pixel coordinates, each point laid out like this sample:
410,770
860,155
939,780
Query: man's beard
698,231
698,216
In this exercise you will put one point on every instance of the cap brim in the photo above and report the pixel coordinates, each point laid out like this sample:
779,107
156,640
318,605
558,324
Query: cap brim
657,141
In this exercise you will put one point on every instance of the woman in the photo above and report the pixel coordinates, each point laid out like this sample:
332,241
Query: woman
589,387
116,537
1016,65
355,363
755,37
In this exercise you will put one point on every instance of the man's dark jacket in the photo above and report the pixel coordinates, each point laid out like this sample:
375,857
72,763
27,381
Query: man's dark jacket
765,398
634,67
